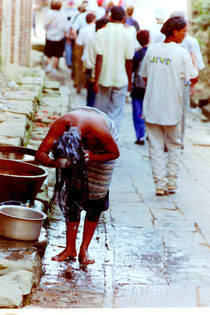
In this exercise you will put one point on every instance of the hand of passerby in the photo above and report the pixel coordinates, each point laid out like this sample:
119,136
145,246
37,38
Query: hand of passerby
129,86
95,87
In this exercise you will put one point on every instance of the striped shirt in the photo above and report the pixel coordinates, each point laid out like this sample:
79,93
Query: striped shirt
100,174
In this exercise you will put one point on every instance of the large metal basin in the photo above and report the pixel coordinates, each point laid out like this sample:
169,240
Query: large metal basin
20,223
20,181
17,153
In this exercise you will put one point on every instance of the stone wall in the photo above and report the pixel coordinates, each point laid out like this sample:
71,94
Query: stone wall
15,31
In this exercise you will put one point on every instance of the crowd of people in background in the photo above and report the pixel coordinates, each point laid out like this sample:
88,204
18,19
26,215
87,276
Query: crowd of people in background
110,55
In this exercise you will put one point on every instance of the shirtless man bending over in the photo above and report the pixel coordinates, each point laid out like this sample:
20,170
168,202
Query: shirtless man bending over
87,136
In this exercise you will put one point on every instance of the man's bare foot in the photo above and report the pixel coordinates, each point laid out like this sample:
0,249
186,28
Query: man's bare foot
64,255
84,258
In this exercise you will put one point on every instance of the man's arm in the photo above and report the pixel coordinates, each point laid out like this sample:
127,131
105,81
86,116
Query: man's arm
98,66
42,154
129,68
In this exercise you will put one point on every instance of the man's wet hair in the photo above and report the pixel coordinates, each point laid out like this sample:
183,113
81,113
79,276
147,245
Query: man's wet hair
172,24
143,37
101,22
90,18
117,13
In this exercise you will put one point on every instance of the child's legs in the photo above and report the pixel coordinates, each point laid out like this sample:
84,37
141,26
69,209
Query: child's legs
68,51
138,121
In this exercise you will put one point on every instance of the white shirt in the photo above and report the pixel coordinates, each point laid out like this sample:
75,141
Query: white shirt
191,44
90,55
155,34
70,14
85,34
116,46
165,66
55,25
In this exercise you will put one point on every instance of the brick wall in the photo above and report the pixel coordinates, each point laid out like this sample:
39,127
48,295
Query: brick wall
15,31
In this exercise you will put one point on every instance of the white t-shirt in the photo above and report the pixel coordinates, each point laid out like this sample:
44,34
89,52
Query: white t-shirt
155,34
191,44
55,25
85,34
165,66
90,55
116,45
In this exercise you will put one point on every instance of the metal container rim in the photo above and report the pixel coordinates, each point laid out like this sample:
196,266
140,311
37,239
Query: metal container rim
23,208
45,173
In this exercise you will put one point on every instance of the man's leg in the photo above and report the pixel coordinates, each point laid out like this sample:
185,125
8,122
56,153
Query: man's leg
117,104
71,235
155,135
185,110
138,121
88,232
102,99
173,143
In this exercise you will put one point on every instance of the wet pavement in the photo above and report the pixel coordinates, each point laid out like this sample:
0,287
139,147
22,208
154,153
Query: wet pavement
150,251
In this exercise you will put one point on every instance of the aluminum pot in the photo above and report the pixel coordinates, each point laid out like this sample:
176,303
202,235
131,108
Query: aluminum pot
20,223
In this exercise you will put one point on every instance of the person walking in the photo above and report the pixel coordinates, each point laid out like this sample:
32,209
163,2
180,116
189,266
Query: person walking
83,144
191,44
113,70
130,20
85,34
55,26
165,67
138,87
90,60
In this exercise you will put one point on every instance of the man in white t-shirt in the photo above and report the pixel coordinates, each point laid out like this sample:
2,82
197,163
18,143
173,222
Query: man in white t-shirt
113,70
84,35
90,60
191,44
165,68
155,34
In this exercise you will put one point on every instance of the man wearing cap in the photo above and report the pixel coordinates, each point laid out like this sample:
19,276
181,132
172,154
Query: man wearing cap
155,34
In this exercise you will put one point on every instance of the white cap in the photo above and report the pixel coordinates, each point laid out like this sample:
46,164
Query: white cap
160,13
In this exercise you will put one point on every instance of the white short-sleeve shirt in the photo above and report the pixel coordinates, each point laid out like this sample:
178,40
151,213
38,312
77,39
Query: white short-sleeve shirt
55,25
166,66
85,34
116,45
191,44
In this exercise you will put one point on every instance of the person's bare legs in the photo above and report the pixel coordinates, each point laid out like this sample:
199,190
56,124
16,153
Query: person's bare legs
70,250
89,229
55,62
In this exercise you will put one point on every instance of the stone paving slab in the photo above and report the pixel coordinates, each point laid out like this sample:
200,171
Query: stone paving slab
23,107
165,296
22,95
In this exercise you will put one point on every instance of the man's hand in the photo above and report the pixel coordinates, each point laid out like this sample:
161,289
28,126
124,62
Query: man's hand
62,163
129,86
86,155
95,87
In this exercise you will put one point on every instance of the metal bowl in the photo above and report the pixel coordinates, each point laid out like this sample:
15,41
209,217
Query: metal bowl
20,181
17,153
20,223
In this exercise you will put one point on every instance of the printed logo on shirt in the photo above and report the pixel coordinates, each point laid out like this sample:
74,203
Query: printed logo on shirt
160,60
